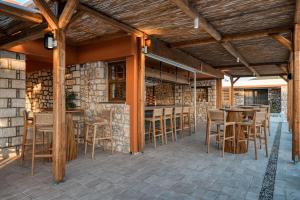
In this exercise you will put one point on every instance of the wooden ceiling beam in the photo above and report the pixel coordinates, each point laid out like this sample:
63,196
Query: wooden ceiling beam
160,48
193,13
262,75
228,46
74,18
47,13
32,33
20,12
232,37
252,64
283,41
109,20
67,13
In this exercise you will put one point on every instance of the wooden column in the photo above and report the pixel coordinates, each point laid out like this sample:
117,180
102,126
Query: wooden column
296,95
231,95
218,93
59,110
141,93
135,79
132,99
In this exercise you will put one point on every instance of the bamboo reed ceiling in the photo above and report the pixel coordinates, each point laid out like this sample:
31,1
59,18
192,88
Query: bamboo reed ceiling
164,20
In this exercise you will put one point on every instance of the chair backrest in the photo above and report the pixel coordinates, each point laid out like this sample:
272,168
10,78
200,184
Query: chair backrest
157,112
168,111
216,115
43,119
260,117
177,110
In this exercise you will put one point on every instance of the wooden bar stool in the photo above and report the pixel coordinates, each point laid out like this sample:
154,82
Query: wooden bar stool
43,123
219,119
157,116
105,124
168,117
260,124
178,117
186,119
28,125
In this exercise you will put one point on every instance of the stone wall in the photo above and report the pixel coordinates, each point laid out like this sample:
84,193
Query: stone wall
89,82
39,90
284,96
274,98
238,97
12,99
162,94
184,95
277,98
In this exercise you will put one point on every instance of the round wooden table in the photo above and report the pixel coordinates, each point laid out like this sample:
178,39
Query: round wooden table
235,115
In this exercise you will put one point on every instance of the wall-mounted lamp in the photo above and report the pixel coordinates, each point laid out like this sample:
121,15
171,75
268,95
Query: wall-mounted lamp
196,22
238,60
49,41
289,76
148,42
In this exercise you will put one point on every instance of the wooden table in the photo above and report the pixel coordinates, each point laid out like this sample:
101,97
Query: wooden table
71,152
235,115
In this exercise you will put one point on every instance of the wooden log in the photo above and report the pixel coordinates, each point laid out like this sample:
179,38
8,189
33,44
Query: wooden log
45,10
232,37
67,13
193,13
159,48
218,93
231,96
283,41
20,12
110,20
32,33
229,47
141,94
59,111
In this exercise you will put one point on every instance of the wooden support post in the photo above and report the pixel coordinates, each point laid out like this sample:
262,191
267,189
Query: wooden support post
59,110
296,95
141,94
231,95
218,93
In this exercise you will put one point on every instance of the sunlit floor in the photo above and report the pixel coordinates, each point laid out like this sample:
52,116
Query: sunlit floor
182,170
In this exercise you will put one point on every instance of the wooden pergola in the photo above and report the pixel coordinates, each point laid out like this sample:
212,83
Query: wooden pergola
235,37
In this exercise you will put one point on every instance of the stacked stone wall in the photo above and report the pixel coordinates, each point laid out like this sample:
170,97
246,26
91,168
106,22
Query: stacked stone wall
39,90
89,82
12,99
284,96
274,98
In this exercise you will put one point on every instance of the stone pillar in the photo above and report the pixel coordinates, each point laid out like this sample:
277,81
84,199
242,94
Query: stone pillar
12,99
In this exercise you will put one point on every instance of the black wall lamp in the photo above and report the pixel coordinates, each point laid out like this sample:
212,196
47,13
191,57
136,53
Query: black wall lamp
49,41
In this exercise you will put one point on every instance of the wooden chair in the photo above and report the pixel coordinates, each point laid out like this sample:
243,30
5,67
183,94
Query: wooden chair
157,116
186,119
104,122
268,116
43,123
28,124
260,124
168,117
219,119
178,117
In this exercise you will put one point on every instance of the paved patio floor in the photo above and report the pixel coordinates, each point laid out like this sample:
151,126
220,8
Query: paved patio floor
182,170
